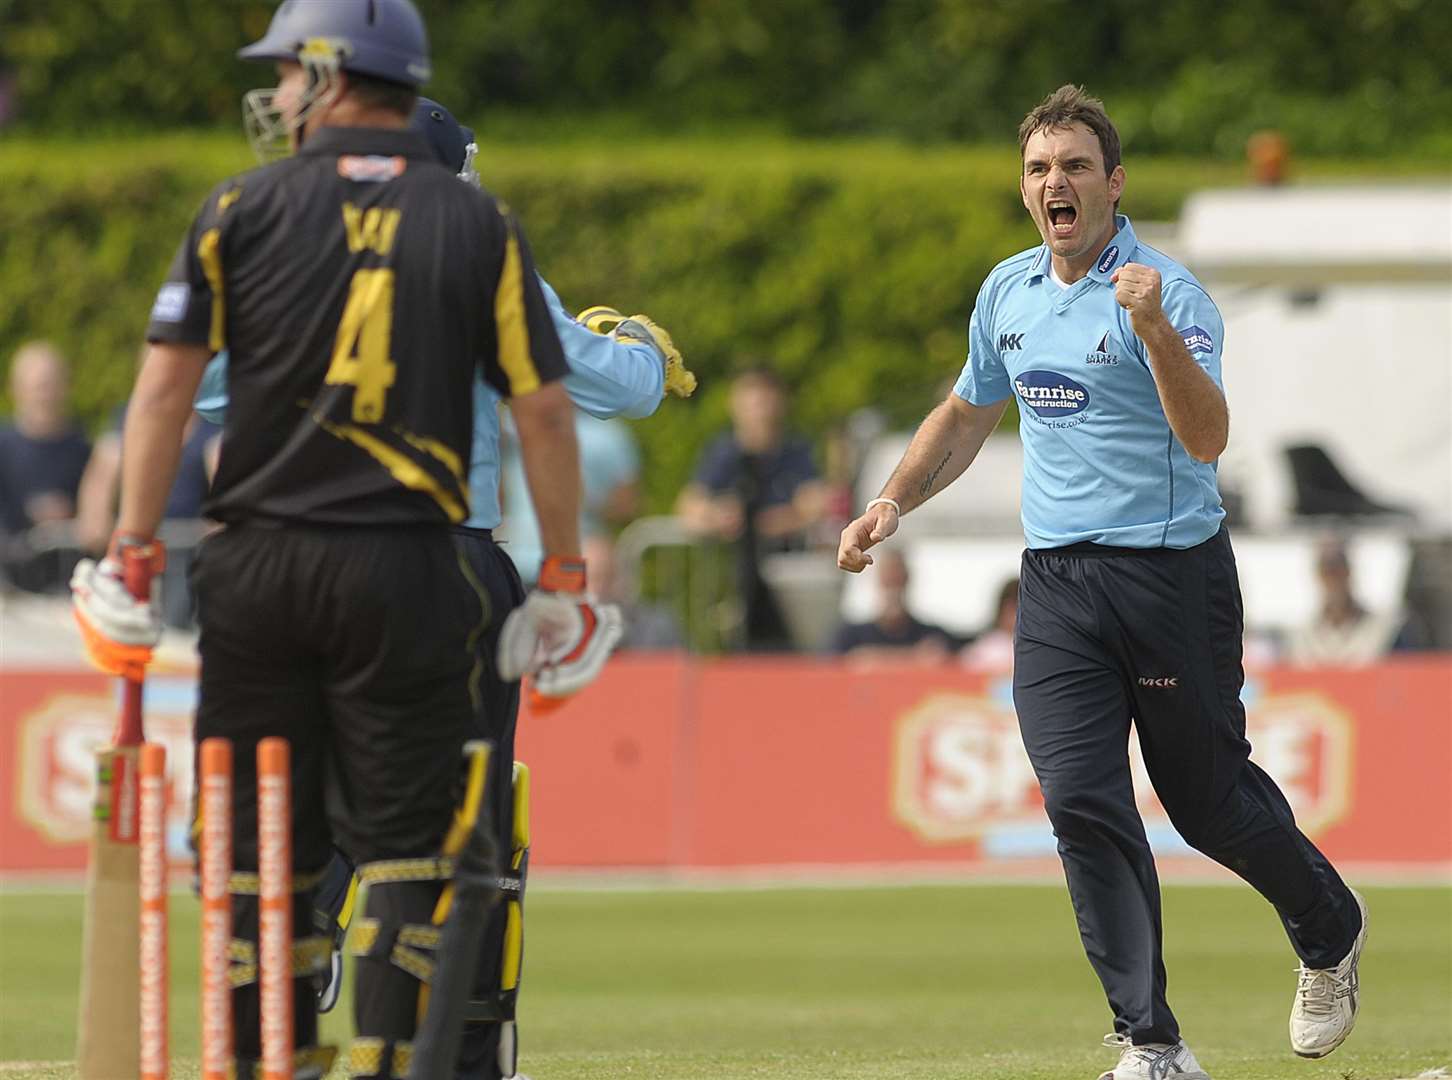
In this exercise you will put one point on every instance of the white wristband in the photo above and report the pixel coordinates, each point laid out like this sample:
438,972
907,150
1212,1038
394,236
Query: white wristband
885,502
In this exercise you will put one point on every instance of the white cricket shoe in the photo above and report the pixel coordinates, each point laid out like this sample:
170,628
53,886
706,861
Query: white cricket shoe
1327,1000
1152,1061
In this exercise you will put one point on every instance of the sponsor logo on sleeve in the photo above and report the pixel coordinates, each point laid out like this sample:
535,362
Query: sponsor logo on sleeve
1107,259
1052,399
1101,356
171,302
1197,339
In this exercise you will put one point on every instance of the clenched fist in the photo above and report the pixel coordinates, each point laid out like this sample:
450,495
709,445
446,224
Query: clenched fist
1137,288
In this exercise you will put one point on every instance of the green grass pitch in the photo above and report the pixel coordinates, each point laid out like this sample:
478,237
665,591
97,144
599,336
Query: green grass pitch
919,983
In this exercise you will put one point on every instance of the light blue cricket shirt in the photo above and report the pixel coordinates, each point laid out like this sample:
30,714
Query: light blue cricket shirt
608,459
607,378
1100,461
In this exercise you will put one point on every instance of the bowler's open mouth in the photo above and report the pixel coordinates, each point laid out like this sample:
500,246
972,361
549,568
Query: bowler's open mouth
1062,216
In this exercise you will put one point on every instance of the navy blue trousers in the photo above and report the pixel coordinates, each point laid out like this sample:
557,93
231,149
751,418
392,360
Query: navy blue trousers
1107,636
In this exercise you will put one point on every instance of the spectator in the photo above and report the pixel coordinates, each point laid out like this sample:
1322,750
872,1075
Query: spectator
992,650
894,632
42,456
756,488
1343,632
101,487
609,474
647,625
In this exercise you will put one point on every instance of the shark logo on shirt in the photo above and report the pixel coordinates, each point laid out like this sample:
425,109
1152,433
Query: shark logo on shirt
1101,355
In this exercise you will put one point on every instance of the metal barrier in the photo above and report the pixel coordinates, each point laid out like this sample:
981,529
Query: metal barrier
693,576
697,577
57,541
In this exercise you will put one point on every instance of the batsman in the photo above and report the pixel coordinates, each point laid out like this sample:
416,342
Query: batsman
359,291
618,366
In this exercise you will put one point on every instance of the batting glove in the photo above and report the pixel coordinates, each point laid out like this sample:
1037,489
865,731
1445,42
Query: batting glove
118,627
679,381
560,635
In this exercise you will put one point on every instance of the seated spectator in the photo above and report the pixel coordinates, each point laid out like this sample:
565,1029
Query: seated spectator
756,488
992,650
610,490
894,632
42,456
648,625
1343,632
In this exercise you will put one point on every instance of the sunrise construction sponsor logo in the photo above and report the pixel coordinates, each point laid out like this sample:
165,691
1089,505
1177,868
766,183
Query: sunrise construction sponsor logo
960,772
1053,399
1197,340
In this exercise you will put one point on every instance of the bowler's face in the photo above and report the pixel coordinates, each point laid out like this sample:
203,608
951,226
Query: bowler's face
1066,192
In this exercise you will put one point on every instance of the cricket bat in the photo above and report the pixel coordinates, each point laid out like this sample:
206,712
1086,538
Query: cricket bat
108,1031
475,889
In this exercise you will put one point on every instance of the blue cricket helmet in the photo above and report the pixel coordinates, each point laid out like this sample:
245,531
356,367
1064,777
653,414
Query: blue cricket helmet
449,139
384,39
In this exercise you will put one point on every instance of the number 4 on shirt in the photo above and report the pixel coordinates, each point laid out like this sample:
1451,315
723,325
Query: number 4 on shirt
360,355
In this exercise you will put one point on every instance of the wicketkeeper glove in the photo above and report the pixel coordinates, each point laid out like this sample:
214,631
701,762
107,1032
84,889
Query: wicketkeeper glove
679,381
560,635
119,629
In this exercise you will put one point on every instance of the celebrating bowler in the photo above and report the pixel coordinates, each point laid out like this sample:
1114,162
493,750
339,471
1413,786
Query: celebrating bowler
1129,606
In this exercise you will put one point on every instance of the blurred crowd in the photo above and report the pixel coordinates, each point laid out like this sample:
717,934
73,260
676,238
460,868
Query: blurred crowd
59,489
756,493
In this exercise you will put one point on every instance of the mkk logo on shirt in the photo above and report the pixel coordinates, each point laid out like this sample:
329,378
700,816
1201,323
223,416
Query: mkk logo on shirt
1009,342
1054,399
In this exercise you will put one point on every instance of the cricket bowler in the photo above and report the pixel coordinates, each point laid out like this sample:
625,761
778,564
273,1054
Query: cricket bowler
1129,605
360,291
626,371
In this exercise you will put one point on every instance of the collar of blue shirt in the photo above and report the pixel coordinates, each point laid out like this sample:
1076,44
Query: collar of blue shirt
1115,254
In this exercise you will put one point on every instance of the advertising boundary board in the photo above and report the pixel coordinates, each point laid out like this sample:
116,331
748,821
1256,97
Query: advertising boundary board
807,769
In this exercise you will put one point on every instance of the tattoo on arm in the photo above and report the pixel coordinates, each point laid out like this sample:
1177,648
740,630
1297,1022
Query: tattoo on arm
926,488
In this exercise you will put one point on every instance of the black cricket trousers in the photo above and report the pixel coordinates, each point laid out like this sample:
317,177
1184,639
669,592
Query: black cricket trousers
1107,636
491,575
353,644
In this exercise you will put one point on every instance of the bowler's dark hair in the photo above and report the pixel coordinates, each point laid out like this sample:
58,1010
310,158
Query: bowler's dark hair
1066,106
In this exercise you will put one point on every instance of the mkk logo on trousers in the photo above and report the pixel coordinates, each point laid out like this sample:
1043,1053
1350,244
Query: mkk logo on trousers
1010,342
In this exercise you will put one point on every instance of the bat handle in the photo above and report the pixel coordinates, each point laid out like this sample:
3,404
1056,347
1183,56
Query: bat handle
139,564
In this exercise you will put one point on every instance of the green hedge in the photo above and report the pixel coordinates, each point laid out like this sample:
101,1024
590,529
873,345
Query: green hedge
851,267
1338,76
